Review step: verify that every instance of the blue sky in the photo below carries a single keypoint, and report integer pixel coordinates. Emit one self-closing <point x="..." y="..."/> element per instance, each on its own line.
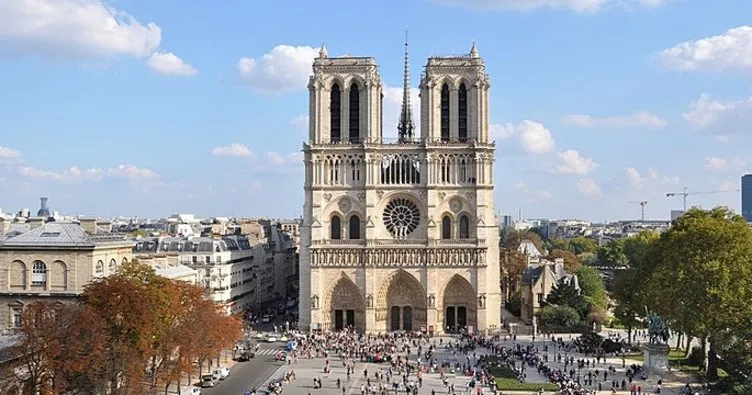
<point x="142" y="107"/>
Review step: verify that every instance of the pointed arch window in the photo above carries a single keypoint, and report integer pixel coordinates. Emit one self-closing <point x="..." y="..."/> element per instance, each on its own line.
<point x="354" y="113"/>
<point x="445" y="113"/>
<point x="39" y="273"/>
<point x="335" y="106"/>
<point x="354" y="231"/>
<point x="464" y="227"/>
<point x="462" y="113"/>
<point x="335" y="231"/>
<point x="446" y="228"/>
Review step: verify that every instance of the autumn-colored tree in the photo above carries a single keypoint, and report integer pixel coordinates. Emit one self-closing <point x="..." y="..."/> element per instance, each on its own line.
<point x="514" y="238"/>
<point x="571" y="262"/>
<point x="59" y="348"/>
<point x="174" y="355"/>
<point x="133" y="304"/>
<point x="580" y="245"/>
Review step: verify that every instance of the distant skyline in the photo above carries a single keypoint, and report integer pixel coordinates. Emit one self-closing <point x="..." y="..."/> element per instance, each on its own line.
<point x="136" y="107"/>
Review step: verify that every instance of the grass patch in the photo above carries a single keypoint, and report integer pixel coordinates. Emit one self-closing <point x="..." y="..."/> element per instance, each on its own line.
<point x="677" y="361"/>
<point x="507" y="384"/>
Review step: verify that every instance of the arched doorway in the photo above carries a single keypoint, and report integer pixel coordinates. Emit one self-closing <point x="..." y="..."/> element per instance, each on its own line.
<point x="459" y="305"/>
<point x="401" y="304"/>
<point x="345" y="305"/>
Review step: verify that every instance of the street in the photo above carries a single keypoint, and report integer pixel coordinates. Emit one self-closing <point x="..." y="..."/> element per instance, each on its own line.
<point x="249" y="375"/>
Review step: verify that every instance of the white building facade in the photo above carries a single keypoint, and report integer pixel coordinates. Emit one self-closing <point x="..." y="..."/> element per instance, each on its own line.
<point x="399" y="235"/>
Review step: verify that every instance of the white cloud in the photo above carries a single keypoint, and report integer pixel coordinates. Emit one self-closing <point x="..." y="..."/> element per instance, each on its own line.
<point x="73" y="29"/>
<point x="713" y="163"/>
<point x="545" y="195"/>
<point x="588" y="187"/>
<point x="168" y="64"/>
<point x="234" y="149"/>
<point x="637" y="180"/>
<point x="731" y="50"/>
<point x="9" y="153"/>
<point x="71" y="175"/>
<point x="728" y="186"/>
<point x="570" y="162"/>
<point x="716" y="164"/>
<point x="76" y="175"/>
<point x="284" y="68"/>
<point x="133" y="173"/>
<point x="300" y="122"/>
<point x="582" y="6"/>
<point x="638" y="119"/>
<point x="720" y="118"/>
<point x="521" y="186"/>
<point x="277" y="159"/>
<point x="533" y="137"/>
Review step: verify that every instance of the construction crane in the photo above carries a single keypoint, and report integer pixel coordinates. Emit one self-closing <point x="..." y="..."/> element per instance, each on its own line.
<point x="684" y="194"/>
<point x="642" y="208"/>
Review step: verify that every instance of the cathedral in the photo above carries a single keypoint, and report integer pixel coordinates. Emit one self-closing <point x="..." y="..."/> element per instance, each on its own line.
<point x="399" y="234"/>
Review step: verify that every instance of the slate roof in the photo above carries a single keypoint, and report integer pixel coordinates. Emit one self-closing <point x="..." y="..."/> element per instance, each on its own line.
<point x="531" y="274"/>
<point x="57" y="234"/>
<point x="192" y="244"/>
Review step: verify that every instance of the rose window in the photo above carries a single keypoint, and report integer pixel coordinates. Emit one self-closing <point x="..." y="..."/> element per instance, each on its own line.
<point x="401" y="217"/>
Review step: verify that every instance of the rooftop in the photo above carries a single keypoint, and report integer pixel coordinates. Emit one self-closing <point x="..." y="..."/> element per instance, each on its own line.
<point x="57" y="234"/>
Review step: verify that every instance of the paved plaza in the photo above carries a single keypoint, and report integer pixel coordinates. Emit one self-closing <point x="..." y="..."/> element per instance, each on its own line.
<point x="308" y="369"/>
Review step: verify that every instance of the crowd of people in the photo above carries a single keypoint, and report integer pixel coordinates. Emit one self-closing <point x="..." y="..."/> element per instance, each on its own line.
<point x="405" y="357"/>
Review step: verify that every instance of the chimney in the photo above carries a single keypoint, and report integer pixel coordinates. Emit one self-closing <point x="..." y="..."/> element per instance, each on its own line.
<point x="4" y="225"/>
<point x="89" y="225"/>
<point x="35" y="222"/>
<point x="43" y="203"/>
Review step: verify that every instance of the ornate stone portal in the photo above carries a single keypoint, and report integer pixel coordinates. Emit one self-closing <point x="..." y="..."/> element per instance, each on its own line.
<point x="399" y="234"/>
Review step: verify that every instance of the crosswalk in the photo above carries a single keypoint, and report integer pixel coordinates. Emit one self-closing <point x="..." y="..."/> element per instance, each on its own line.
<point x="269" y="351"/>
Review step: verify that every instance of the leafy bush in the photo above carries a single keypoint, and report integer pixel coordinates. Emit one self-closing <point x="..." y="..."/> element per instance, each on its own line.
<point x="557" y="316"/>
<point x="514" y="304"/>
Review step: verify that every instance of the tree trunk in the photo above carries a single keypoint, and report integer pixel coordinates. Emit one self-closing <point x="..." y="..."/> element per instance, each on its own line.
<point x="704" y="354"/>
<point x="688" y="351"/>
<point x="629" y="335"/>
<point x="679" y="341"/>
<point x="167" y="388"/>
<point x="712" y="364"/>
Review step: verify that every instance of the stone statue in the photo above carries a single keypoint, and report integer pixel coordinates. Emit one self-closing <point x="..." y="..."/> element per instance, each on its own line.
<point x="657" y="329"/>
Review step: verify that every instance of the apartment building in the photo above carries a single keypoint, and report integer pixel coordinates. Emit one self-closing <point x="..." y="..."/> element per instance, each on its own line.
<point x="224" y="266"/>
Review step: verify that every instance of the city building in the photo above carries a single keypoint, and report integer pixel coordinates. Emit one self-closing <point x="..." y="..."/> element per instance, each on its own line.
<point x="747" y="197"/>
<point x="538" y="280"/>
<point x="399" y="234"/>
<point x="224" y="266"/>
<point x="53" y="261"/>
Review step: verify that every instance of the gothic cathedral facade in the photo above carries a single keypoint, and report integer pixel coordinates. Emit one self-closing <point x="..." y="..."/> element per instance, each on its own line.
<point x="399" y="234"/>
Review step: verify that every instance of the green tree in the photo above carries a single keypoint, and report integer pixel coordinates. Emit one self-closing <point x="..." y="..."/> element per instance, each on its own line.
<point x="592" y="287"/>
<point x="628" y="286"/>
<point x="612" y="254"/>
<point x="701" y="276"/>
<point x="588" y="259"/>
<point x="571" y="262"/>
<point x="566" y="294"/>
<point x="636" y="247"/>
<point x="580" y="245"/>
<point x="514" y="239"/>
<point x="550" y="317"/>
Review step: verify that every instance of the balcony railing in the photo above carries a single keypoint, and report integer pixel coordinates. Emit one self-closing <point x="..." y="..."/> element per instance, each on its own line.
<point x="401" y="242"/>
<point x="339" y="242"/>
<point x="416" y="141"/>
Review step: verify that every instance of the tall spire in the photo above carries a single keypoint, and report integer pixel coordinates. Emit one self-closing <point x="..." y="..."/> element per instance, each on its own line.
<point x="406" y="125"/>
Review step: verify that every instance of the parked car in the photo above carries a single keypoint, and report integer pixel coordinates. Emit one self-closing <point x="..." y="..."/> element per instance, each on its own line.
<point x="191" y="391"/>
<point x="208" y="380"/>
<point x="222" y="372"/>
<point x="271" y="338"/>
